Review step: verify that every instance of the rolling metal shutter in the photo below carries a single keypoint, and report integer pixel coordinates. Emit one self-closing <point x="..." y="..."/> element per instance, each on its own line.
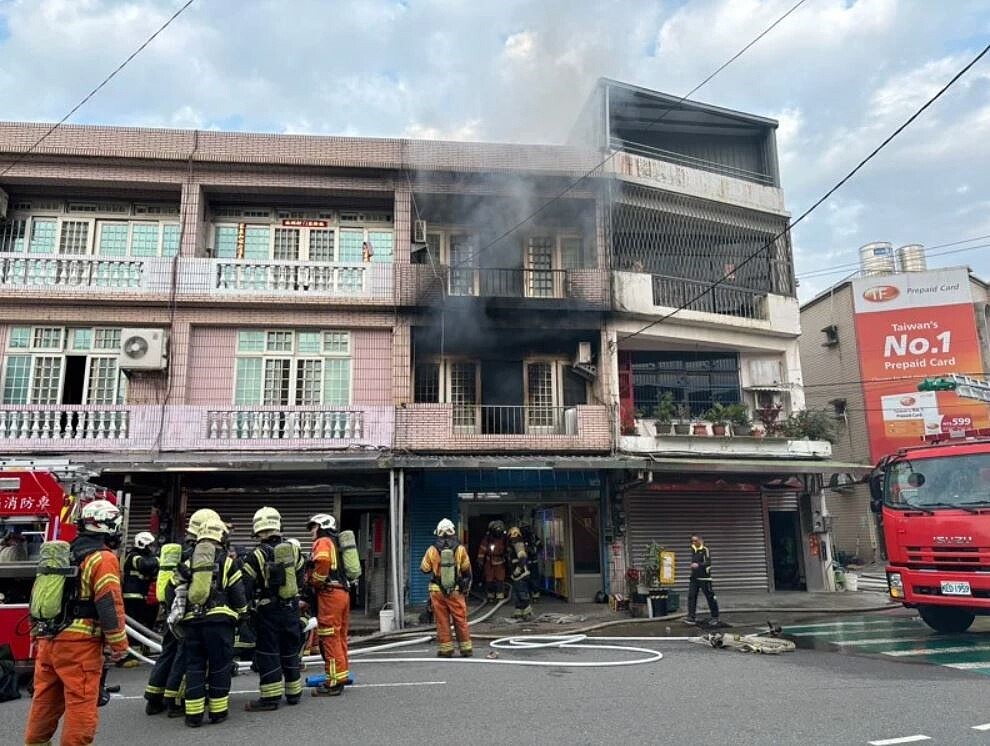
<point x="139" y="515"/>
<point x="239" y="508"/>
<point x="424" y="511"/>
<point x="731" y="524"/>
<point x="782" y="501"/>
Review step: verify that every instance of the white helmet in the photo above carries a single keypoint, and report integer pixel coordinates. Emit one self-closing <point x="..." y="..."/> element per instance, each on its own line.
<point x="144" y="540"/>
<point x="267" y="519"/>
<point x="445" y="528"/>
<point x="214" y="529"/>
<point x="100" y="517"/>
<point x="198" y="519"/>
<point x="322" y="521"/>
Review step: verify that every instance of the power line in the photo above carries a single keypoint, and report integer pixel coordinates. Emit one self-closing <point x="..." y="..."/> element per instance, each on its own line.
<point x="556" y="198"/>
<point x="929" y="252"/>
<point x="821" y="200"/>
<point x="96" y="90"/>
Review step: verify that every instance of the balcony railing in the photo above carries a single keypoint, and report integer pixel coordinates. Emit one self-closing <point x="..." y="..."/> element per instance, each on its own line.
<point x="64" y="423"/>
<point x="697" y="295"/>
<point x="467" y="428"/>
<point x="78" y="273"/>
<point x="508" y="420"/>
<point x="292" y="424"/>
<point x="301" y="278"/>
<point x="681" y="159"/>
<point x="507" y="283"/>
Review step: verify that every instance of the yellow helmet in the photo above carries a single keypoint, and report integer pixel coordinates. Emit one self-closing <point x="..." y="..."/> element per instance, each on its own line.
<point x="214" y="529"/>
<point x="198" y="519"/>
<point x="267" y="519"/>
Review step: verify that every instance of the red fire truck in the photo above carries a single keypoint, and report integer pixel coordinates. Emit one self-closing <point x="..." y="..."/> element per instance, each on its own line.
<point x="934" y="504"/>
<point x="39" y="502"/>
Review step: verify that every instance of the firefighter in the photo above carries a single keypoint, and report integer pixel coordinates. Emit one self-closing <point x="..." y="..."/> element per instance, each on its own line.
<point x="333" y="603"/>
<point x="533" y="546"/>
<point x="68" y="666"/>
<point x="209" y="625"/>
<point x="491" y="561"/>
<point x="449" y="567"/>
<point x="274" y="588"/>
<point x="140" y="568"/>
<point x="165" y="681"/>
<point x="13" y="548"/>
<point x="245" y="636"/>
<point x="701" y="579"/>
<point x="519" y="564"/>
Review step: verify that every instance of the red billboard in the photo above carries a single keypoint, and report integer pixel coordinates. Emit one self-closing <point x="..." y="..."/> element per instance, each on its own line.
<point x="909" y="327"/>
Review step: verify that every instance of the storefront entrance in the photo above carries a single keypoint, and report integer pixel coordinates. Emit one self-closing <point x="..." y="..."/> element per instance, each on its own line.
<point x="571" y="557"/>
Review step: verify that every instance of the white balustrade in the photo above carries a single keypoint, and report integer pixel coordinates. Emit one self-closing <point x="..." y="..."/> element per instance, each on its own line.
<point x="69" y="423"/>
<point x="284" y="424"/>
<point x="64" y="272"/>
<point x="241" y="275"/>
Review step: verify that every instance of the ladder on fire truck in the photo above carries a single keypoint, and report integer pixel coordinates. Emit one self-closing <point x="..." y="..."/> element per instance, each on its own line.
<point x="61" y="468"/>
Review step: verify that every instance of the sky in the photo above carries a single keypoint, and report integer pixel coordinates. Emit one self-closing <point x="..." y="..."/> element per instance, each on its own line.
<point x="838" y="75"/>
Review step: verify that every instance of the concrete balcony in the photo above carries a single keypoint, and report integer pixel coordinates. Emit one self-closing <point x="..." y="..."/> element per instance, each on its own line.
<point x="88" y="277"/>
<point x="650" y="438"/>
<point x="239" y="278"/>
<point x="67" y="428"/>
<point x="726" y="306"/>
<point x="202" y="279"/>
<point x="277" y="428"/>
<point x="486" y="429"/>
<point x="694" y="177"/>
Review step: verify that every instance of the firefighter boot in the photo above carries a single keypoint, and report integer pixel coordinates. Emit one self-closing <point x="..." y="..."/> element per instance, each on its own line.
<point x="176" y="709"/>
<point x="292" y="699"/>
<point x="194" y="721"/>
<point x="218" y="717"/>
<point x="156" y="705"/>
<point x="445" y="654"/>
<point x="261" y="705"/>
<point x="328" y="691"/>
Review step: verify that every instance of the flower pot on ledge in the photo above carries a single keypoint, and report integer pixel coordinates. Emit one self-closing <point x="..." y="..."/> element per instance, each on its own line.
<point x="719" y="429"/>
<point x="682" y="428"/>
<point x="699" y="428"/>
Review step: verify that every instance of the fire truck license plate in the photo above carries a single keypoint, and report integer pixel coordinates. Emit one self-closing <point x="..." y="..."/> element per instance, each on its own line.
<point x="956" y="588"/>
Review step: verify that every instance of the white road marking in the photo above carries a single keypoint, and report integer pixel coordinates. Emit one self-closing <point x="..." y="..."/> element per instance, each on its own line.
<point x="935" y="651"/>
<point x="882" y="641"/>
<point x="850" y="623"/>
<point x="985" y="726"/>
<point x="967" y="666"/>
<point x="854" y="630"/>
<point x="350" y="686"/>
<point x="905" y="739"/>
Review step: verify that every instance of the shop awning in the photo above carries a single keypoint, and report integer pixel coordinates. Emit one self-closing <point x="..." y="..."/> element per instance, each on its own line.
<point x="124" y="463"/>
<point x="757" y="466"/>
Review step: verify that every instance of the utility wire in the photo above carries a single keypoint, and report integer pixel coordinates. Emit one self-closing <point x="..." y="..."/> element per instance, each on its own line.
<point x="592" y="171"/>
<point x="929" y="252"/>
<point x="96" y="90"/>
<point x="818" y="203"/>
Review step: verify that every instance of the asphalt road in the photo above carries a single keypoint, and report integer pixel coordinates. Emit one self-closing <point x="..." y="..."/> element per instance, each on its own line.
<point x="693" y="695"/>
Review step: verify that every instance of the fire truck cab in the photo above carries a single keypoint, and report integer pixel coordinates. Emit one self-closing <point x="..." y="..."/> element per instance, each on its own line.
<point x="39" y="502"/>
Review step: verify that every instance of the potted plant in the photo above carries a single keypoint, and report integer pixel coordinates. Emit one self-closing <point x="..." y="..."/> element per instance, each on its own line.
<point x="809" y="425"/>
<point x="682" y="426"/>
<point x="664" y="413"/>
<point x="718" y="415"/>
<point x="768" y="417"/>
<point x="738" y="415"/>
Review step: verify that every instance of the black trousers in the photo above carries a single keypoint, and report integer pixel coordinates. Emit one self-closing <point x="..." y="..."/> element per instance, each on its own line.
<point x="276" y="654"/>
<point x="520" y="593"/>
<point x="161" y="671"/>
<point x="535" y="580"/>
<point x="705" y="585"/>
<point x="210" y="650"/>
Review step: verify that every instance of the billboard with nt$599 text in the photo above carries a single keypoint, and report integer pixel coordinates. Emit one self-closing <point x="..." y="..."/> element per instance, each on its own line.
<point x="909" y="327"/>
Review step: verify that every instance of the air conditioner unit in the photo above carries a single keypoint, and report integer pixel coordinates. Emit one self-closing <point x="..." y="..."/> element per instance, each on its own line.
<point x="583" y="354"/>
<point x="143" y="349"/>
<point x="419" y="231"/>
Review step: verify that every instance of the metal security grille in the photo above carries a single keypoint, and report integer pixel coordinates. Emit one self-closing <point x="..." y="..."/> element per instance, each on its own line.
<point x="47" y="380"/>
<point x="103" y="378"/>
<point x="321" y="246"/>
<point x="309" y="382"/>
<point x="540" y="260"/>
<point x="462" y="259"/>
<point x="539" y="382"/>
<point x="674" y="236"/>
<point x="286" y="244"/>
<point x="277" y="382"/>
<point x="464" y="393"/>
<point x="730" y="523"/>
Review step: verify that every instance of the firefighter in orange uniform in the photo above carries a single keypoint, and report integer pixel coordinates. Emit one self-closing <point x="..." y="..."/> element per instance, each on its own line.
<point x="69" y="665"/>
<point x="449" y="567"/>
<point x="333" y="603"/>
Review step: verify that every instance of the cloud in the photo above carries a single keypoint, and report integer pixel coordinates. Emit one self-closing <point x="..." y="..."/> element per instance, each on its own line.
<point x="839" y="75"/>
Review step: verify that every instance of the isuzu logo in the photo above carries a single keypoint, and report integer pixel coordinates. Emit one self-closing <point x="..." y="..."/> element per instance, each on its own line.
<point x="881" y="293"/>
<point x="952" y="539"/>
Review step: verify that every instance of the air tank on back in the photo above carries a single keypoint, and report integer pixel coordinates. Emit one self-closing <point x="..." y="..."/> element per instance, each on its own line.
<point x="877" y="258"/>
<point x="911" y="258"/>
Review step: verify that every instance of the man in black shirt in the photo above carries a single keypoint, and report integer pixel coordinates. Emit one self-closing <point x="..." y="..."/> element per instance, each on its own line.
<point x="701" y="579"/>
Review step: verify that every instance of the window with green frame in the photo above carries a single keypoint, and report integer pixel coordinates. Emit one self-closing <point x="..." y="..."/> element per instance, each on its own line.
<point x="279" y="367"/>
